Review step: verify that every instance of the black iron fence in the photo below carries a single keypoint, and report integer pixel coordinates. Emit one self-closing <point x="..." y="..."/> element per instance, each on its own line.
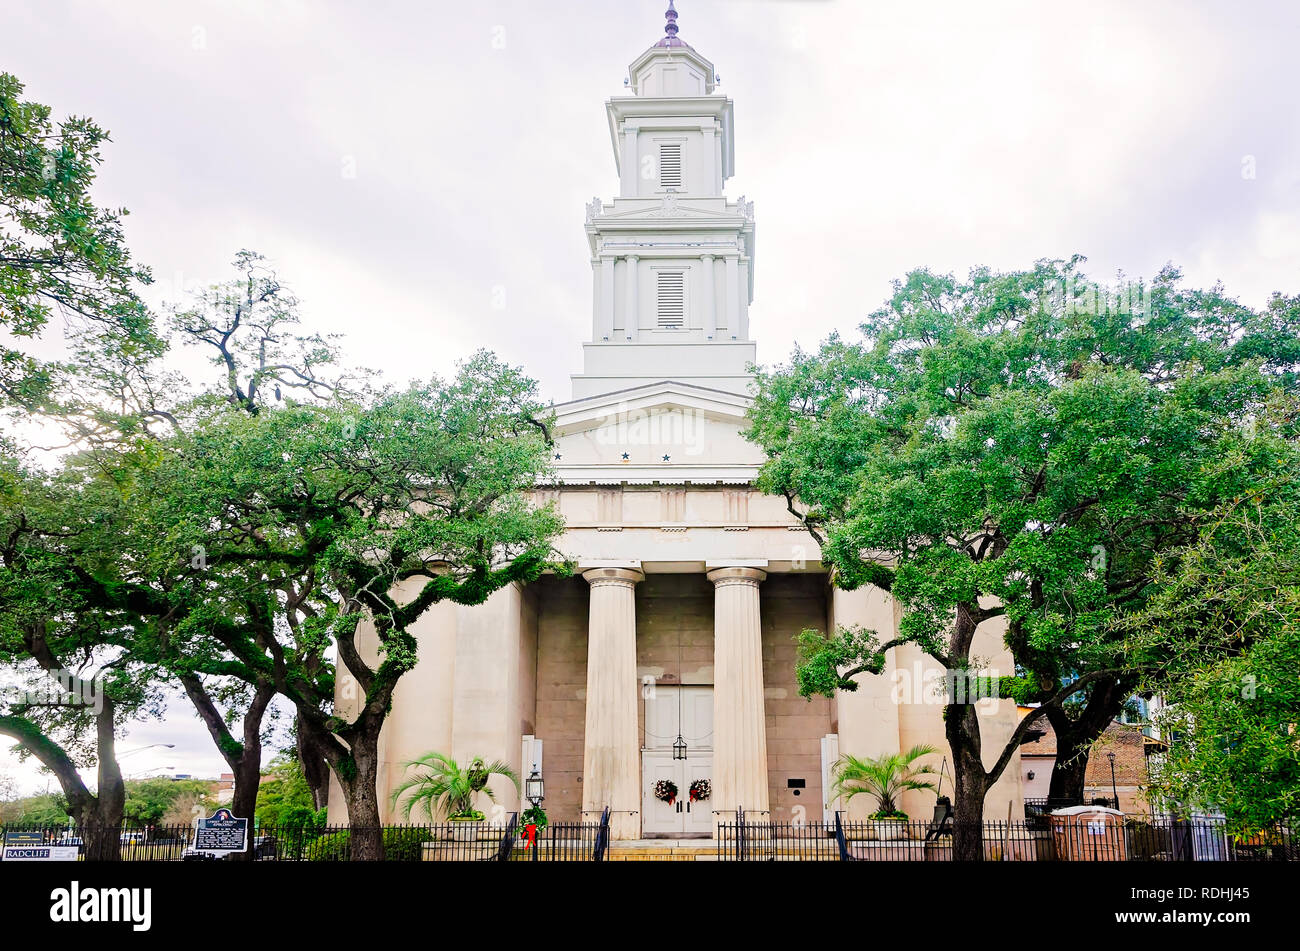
<point x="437" y="842"/>
<point x="752" y="837"/>
<point x="565" y="842"/>
<point x="1059" y="838"/>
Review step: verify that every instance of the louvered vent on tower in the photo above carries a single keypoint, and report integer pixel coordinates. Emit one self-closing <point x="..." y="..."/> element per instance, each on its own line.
<point x="672" y="300"/>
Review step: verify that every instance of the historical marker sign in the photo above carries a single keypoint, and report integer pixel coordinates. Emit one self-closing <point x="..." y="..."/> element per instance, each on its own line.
<point x="222" y="833"/>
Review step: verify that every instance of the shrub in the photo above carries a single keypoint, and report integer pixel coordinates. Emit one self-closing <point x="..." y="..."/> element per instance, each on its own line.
<point x="400" y="845"/>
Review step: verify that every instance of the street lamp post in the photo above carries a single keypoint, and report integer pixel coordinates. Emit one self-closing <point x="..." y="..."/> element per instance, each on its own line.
<point x="1114" y="791"/>
<point x="535" y="792"/>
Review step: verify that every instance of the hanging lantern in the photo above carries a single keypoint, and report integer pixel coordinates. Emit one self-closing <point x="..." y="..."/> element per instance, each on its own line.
<point x="534" y="788"/>
<point x="679" y="747"/>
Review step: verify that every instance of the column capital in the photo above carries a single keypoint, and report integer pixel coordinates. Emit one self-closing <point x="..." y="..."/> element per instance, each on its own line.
<point x="618" y="576"/>
<point x="737" y="575"/>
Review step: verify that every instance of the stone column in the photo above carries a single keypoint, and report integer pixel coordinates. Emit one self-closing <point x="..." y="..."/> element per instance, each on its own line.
<point x="733" y="297"/>
<point x="709" y="296"/>
<point x="713" y="148"/>
<point x="631" y="167"/>
<point x="607" y="297"/>
<point x="739" y="720"/>
<point x="632" y="319"/>
<point x="611" y="767"/>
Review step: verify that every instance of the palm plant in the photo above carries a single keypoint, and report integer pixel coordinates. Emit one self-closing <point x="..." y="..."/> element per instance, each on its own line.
<point x="884" y="778"/>
<point x="444" y="786"/>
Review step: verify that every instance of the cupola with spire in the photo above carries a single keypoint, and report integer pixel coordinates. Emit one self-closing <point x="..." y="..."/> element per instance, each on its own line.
<point x="672" y="67"/>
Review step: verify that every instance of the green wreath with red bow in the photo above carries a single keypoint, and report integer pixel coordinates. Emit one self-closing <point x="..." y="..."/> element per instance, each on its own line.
<point x="666" y="791"/>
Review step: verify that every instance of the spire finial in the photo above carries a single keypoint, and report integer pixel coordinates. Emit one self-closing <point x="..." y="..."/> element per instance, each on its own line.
<point x="670" y="27"/>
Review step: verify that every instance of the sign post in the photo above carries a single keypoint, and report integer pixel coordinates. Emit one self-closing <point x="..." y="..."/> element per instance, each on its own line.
<point x="221" y="834"/>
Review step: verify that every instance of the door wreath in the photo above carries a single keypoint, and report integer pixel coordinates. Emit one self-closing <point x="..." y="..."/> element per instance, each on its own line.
<point x="700" y="790"/>
<point x="666" y="791"/>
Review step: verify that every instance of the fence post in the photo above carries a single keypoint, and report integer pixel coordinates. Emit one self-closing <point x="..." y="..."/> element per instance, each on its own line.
<point x="602" y="837"/>
<point x="740" y="833"/>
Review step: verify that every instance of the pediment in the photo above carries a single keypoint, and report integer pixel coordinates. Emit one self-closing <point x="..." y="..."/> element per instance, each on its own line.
<point x="662" y="431"/>
<point x="663" y="394"/>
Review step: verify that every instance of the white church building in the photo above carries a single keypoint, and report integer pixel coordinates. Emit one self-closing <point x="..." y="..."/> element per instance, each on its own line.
<point x="678" y="626"/>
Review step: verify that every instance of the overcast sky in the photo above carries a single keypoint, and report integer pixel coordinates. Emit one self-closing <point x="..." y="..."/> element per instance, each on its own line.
<point x="407" y="166"/>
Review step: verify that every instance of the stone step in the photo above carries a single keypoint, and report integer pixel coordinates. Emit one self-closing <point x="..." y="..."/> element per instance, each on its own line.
<point x="663" y="850"/>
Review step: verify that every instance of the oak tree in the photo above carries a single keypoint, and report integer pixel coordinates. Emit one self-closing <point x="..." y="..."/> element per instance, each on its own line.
<point x="1021" y="446"/>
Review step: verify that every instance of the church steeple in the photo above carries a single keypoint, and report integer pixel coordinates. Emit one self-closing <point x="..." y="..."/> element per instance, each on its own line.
<point x="673" y="257"/>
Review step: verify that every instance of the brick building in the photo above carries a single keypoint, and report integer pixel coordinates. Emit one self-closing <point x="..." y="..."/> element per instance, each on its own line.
<point x="1125" y="741"/>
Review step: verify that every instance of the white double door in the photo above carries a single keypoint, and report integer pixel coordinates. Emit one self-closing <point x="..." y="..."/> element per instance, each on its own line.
<point x="669" y="711"/>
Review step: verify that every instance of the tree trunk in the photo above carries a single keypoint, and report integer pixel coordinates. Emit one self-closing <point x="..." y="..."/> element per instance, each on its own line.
<point x="102" y="816"/>
<point x="98" y="817"/>
<point x="968" y="799"/>
<point x="243" y="758"/>
<point x="248" y="767"/>
<point x="970" y="782"/>
<point x="961" y="725"/>
<point x="314" y="767"/>
<point x="360" y="784"/>
<point x="1074" y="737"/>
<point x="1069" y="770"/>
<point x="102" y="832"/>
<point x="243" y="803"/>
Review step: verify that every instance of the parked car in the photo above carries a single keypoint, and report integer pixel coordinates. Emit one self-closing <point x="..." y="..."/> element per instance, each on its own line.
<point x="195" y="855"/>
<point x="69" y="839"/>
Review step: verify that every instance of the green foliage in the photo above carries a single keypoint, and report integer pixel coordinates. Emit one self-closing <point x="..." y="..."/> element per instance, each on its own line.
<point x="59" y="614"/>
<point x="153" y="801"/>
<point x="45" y="809"/>
<point x="284" y="799"/>
<point x="242" y="552"/>
<point x="234" y="538"/>
<point x="826" y="664"/>
<point x="1221" y="635"/>
<point x="534" y="815"/>
<point x="441" y="786"/>
<point x="994" y="443"/>
<point x="884" y="778"/>
<point x="60" y="252"/>
<point x="1018" y="445"/>
<point x="400" y="845"/>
